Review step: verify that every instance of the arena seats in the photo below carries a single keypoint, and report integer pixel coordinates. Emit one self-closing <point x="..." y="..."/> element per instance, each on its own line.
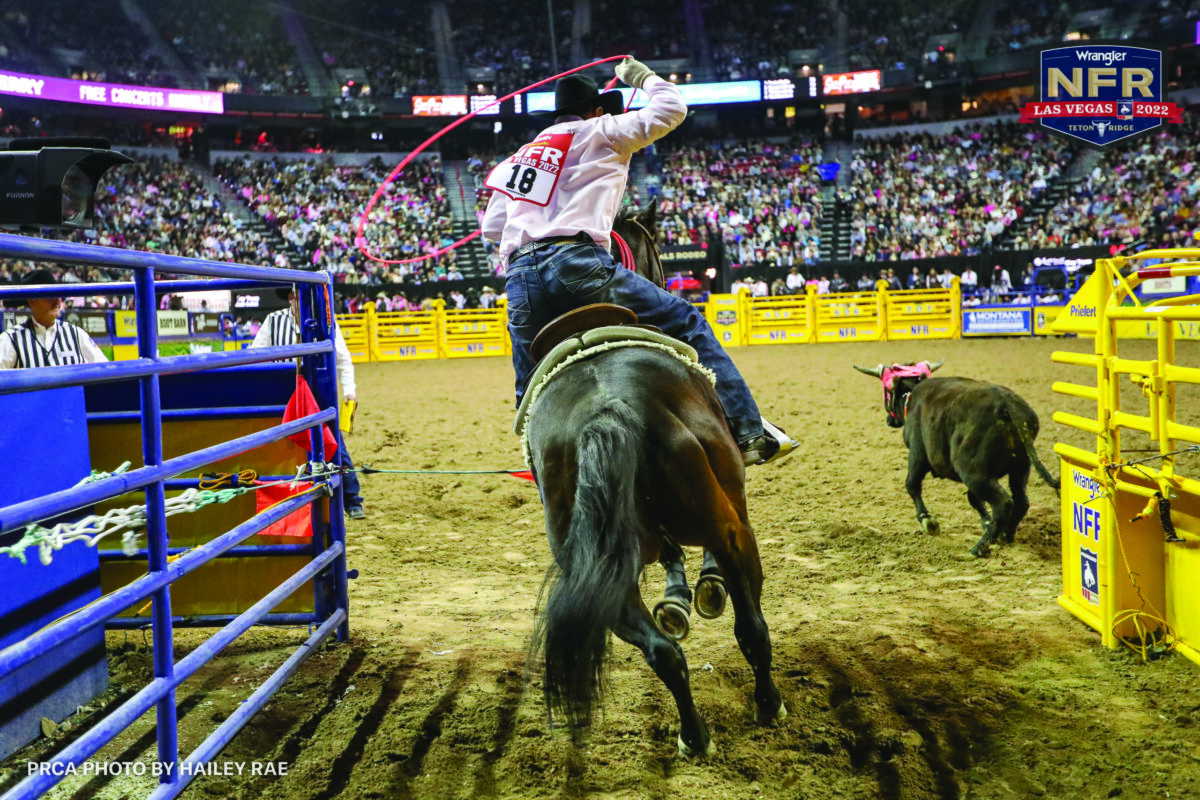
<point x="1148" y="189"/>
<point x="919" y="196"/>
<point x="315" y="206"/>
<point x="762" y="198"/>
<point x="228" y="41"/>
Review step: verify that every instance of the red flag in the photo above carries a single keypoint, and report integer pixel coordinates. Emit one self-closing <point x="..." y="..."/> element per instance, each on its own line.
<point x="527" y="475"/>
<point x="301" y="405"/>
<point x="297" y="524"/>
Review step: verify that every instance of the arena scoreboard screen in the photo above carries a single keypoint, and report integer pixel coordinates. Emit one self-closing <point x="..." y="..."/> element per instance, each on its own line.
<point x="870" y="80"/>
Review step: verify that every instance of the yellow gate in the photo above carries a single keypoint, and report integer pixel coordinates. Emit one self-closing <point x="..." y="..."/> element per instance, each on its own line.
<point x="924" y="314"/>
<point x="356" y="330"/>
<point x="1130" y="521"/>
<point x="779" y="320"/>
<point x="474" y="332"/>
<point x="849" y="317"/>
<point x="408" y="335"/>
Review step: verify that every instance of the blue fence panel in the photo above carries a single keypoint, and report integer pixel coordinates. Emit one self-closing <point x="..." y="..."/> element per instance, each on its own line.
<point x="326" y="566"/>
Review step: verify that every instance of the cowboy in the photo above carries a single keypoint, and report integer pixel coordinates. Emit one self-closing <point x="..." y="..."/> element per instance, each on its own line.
<point x="43" y="340"/>
<point x="552" y="212"/>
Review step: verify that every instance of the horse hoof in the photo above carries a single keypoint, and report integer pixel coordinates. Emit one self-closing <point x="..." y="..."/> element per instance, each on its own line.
<point x="930" y="525"/>
<point x="710" y="596"/>
<point x="779" y="715"/>
<point x="672" y="617"/>
<point x="980" y="550"/>
<point x="688" y="752"/>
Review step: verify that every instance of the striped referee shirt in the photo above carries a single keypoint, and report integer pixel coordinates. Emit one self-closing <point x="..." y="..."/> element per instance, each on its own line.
<point x="280" y="329"/>
<point x="31" y="345"/>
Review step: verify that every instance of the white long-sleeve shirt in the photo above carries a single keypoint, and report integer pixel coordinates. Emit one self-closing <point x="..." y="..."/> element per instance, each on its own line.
<point x="591" y="174"/>
<point x="61" y="343"/>
<point x="280" y="329"/>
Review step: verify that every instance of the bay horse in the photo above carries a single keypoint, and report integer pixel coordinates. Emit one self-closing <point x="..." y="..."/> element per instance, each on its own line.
<point x="635" y="460"/>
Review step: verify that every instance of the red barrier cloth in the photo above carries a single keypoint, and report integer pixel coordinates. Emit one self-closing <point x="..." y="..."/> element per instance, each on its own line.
<point x="298" y="524"/>
<point x="301" y="405"/>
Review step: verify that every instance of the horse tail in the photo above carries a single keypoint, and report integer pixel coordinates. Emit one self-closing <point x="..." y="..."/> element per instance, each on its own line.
<point x="1027" y="441"/>
<point x="597" y="566"/>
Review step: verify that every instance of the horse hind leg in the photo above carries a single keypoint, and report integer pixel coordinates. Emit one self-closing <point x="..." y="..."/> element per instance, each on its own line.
<point x="710" y="589"/>
<point x="664" y="655"/>
<point x="673" y="610"/>
<point x="742" y="568"/>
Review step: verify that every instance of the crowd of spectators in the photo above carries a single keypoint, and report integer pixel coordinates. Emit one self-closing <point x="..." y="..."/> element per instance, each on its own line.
<point x="232" y="40"/>
<point x="1145" y="190"/>
<point x="95" y="39"/>
<point x="922" y="196"/>
<point x="1029" y="23"/>
<point x="315" y="206"/>
<point x="761" y="199"/>
<point x="389" y="41"/>
<point x="644" y="29"/>
<point x="160" y="206"/>
<point x="755" y="42"/>
<point x="491" y="36"/>
<point x="893" y="34"/>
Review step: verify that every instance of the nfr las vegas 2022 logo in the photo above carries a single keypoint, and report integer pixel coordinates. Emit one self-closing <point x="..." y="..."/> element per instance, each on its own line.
<point x="1101" y="94"/>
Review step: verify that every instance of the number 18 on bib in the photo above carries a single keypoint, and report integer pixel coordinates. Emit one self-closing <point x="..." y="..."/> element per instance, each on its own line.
<point x="531" y="174"/>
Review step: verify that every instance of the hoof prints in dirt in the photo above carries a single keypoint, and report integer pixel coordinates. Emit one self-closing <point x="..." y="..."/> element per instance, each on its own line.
<point x="374" y="736"/>
<point x="903" y="722"/>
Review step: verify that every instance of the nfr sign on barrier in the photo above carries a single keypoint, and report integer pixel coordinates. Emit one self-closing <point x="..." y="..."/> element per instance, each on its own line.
<point x="356" y="330"/>
<point x="850" y="317"/>
<point x="779" y="320"/>
<point x="923" y="314"/>
<point x="475" y="332"/>
<point x="407" y="335"/>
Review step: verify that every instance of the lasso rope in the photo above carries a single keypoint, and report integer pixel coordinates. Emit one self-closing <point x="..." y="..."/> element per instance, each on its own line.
<point x="360" y="239"/>
<point x="589" y="353"/>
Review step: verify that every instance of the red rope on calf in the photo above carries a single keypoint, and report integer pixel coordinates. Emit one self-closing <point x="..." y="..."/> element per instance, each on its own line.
<point x="361" y="240"/>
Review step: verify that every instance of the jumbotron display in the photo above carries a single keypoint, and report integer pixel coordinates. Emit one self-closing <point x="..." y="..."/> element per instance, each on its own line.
<point x="110" y="94"/>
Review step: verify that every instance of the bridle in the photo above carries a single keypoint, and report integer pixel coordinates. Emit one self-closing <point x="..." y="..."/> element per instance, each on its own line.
<point x="656" y="272"/>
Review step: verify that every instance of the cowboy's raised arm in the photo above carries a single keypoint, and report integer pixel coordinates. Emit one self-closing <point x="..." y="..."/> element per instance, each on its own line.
<point x="664" y="110"/>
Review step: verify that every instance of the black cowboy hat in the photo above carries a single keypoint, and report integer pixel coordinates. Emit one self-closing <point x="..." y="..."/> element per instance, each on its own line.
<point x="578" y="93"/>
<point x="39" y="276"/>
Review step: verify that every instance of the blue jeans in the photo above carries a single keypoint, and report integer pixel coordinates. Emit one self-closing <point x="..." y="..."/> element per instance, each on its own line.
<point x="350" y="486"/>
<point x="558" y="278"/>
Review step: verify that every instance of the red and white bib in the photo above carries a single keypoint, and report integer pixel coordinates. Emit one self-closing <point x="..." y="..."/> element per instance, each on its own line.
<point x="531" y="174"/>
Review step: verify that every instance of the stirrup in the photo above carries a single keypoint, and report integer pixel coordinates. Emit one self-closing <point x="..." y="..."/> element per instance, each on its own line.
<point x="761" y="450"/>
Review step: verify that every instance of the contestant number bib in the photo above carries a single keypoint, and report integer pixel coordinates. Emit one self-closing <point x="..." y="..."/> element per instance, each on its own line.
<point x="531" y="174"/>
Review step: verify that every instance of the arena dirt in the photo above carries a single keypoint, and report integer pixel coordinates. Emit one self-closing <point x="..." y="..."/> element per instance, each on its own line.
<point x="910" y="669"/>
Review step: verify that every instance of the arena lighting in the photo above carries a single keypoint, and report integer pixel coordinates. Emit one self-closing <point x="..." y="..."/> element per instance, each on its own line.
<point x="52" y="181"/>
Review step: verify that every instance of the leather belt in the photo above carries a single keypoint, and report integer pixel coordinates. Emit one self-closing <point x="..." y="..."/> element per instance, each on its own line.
<point x="530" y="247"/>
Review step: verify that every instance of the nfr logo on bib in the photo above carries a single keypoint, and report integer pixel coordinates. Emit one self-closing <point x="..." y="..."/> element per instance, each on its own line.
<point x="1101" y="94"/>
<point x="531" y="174"/>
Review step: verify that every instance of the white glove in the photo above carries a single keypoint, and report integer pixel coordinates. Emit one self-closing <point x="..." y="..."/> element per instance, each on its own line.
<point x="633" y="73"/>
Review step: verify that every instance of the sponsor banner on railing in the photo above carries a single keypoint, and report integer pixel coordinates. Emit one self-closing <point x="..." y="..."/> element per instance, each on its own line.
<point x="997" y="322"/>
<point x="170" y="323"/>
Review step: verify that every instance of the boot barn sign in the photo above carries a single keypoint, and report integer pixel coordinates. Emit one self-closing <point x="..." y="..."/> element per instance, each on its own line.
<point x="1101" y="94"/>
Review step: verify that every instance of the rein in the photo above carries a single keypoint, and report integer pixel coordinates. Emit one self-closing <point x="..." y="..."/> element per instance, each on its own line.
<point x="656" y="271"/>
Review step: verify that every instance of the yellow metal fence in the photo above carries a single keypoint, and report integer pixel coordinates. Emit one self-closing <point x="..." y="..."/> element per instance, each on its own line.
<point x="1131" y="520"/>
<point x="738" y="320"/>
<point x="419" y="335"/>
